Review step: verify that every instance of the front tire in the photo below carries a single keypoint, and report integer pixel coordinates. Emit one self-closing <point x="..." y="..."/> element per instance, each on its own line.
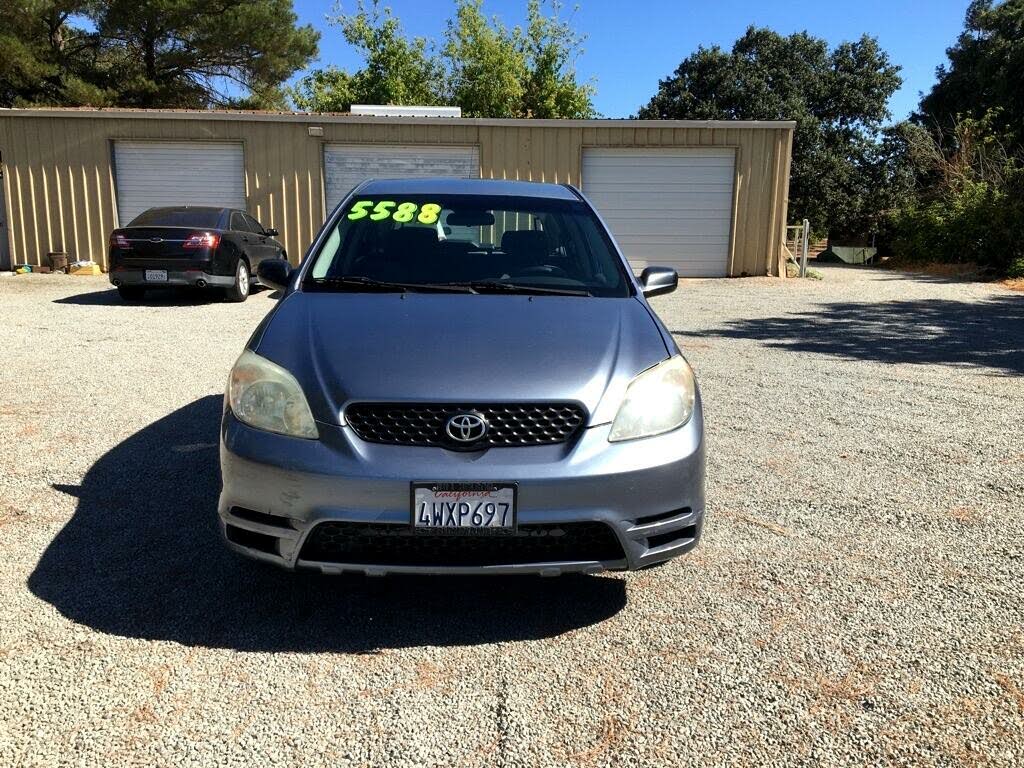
<point x="239" y="291"/>
<point x="131" y="293"/>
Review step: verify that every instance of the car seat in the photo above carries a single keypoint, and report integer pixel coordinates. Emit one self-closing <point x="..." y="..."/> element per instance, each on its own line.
<point x="409" y="255"/>
<point x="525" y="248"/>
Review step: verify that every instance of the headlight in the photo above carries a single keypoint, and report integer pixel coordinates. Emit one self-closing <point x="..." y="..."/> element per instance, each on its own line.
<point x="264" y="395"/>
<point x="658" y="400"/>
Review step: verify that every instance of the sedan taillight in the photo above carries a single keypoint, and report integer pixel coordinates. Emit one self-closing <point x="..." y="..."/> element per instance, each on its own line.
<point x="201" y="240"/>
<point x="118" y="240"/>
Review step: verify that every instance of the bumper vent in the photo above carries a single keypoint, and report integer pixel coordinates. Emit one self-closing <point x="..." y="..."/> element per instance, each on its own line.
<point x="261" y="517"/>
<point x="251" y="539"/>
<point x="661" y="516"/>
<point x="513" y="424"/>
<point x="683" y="534"/>
<point x="397" y="545"/>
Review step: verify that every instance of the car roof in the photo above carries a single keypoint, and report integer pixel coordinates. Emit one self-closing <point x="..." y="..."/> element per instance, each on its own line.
<point x="449" y="186"/>
<point x="189" y="208"/>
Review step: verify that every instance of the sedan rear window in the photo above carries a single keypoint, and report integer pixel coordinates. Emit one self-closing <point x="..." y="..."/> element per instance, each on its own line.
<point x="200" y="218"/>
<point x="470" y="240"/>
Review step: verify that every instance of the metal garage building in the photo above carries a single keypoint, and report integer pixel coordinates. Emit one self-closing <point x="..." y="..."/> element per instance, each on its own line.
<point x="707" y="197"/>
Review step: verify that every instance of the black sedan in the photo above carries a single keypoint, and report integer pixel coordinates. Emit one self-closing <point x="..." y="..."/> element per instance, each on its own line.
<point x="190" y="246"/>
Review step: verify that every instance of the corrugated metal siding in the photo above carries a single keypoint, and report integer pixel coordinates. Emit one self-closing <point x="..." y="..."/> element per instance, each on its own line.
<point x="60" y="194"/>
<point x="346" y="165"/>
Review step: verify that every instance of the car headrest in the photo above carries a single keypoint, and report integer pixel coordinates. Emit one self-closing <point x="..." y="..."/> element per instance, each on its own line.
<point x="525" y="242"/>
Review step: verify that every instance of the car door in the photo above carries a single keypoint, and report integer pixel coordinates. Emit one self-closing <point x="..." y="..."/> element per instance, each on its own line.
<point x="269" y="247"/>
<point x="244" y="237"/>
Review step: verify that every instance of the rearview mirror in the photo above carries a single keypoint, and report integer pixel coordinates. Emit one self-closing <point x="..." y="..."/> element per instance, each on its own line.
<point x="655" y="281"/>
<point x="470" y="219"/>
<point x="275" y="273"/>
<point x="271" y="232"/>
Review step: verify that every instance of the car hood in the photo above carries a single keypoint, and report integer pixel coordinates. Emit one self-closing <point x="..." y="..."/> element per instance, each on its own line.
<point x="346" y="347"/>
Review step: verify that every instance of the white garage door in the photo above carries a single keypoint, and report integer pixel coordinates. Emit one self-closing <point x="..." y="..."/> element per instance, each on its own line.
<point x="345" y="165"/>
<point x="670" y="207"/>
<point x="155" y="173"/>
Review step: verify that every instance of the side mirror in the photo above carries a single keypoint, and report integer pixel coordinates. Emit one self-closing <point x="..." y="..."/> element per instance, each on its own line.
<point x="271" y="232"/>
<point x="655" y="281"/>
<point x="275" y="273"/>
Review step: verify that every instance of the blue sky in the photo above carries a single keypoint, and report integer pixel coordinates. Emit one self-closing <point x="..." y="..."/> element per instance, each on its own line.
<point x="631" y="45"/>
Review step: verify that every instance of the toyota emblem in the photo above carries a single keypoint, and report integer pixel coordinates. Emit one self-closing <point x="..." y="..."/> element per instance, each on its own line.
<point x="466" y="427"/>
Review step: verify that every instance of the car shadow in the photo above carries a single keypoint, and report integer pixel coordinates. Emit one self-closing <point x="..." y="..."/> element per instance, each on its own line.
<point x="983" y="334"/>
<point x="161" y="297"/>
<point x="142" y="557"/>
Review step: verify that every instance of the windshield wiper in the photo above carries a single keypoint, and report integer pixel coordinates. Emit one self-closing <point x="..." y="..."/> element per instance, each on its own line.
<point x="368" y="283"/>
<point x="494" y="286"/>
<point x="357" y="282"/>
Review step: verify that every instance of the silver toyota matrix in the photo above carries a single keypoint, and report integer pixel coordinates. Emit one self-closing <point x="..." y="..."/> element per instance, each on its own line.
<point x="463" y="376"/>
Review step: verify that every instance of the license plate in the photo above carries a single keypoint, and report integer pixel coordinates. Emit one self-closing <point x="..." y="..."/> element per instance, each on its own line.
<point x="456" y="507"/>
<point x="156" y="275"/>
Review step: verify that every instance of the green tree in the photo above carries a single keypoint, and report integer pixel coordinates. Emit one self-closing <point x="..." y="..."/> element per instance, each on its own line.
<point x="985" y="72"/>
<point x="44" y="59"/>
<point x="193" y="53"/>
<point x="551" y="48"/>
<point x="397" y="69"/>
<point x="324" y="90"/>
<point x="482" y="66"/>
<point x="150" y="53"/>
<point x="486" y="65"/>
<point x="967" y="150"/>
<point x="837" y="97"/>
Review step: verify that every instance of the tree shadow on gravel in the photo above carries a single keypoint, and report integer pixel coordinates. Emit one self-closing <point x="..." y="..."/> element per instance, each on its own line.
<point x="969" y="334"/>
<point x="142" y="557"/>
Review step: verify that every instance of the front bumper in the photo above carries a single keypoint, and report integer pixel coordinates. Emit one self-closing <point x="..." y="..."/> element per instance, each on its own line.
<point x="276" y="490"/>
<point x="194" y="277"/>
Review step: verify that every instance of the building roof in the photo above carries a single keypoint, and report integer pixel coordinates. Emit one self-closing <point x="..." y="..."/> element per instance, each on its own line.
<point x="450" y="186"/>
<point x="344" y="117"/>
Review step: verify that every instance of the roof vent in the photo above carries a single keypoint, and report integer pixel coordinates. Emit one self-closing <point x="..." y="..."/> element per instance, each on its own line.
<point x="386" y="110"/>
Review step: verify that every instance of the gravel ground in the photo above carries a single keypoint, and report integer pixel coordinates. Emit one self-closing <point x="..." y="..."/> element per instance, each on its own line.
<point x="856" y="598"/>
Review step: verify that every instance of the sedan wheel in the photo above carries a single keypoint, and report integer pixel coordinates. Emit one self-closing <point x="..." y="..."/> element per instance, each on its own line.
<point x="240" y="290"/>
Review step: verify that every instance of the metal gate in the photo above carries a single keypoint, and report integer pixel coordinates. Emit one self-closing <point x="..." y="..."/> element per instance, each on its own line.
<point x="798" y="234"/>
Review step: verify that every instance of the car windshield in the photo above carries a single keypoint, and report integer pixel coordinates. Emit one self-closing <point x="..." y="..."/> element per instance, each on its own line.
<point x="474" y="242"/>
<point x="205" y="218"/>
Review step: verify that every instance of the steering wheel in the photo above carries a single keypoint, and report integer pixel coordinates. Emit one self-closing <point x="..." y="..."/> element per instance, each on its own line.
<point x="548" y="270"/>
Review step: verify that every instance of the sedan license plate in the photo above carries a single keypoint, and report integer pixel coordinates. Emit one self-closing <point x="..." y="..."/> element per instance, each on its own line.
<point x="464" y="507"/>
<point x="156" y="275"/>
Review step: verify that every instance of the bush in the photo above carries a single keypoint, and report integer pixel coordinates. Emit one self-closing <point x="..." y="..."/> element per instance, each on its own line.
<point x="970" y="201"/>
<point x="976" y="222"/>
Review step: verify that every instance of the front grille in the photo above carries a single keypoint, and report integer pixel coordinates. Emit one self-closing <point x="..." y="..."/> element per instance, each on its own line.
<point x="396" y="545"/>
<point x="511" y="424"/>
